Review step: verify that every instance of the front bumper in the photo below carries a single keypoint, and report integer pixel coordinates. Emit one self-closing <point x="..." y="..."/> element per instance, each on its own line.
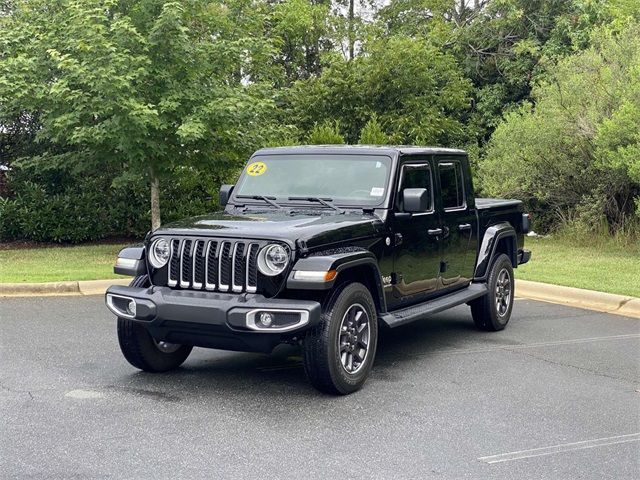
<point x="213" y="320"/>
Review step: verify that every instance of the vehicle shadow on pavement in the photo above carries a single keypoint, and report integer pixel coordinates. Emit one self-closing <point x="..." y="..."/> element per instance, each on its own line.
<point x="281" y="372"/>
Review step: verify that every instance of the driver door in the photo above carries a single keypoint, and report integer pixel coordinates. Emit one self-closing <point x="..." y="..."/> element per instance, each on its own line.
<point x="417" y="243"/>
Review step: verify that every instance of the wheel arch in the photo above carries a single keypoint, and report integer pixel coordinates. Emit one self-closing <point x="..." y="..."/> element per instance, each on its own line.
<point x="499" y="238"/>
<point x="357" y="265"/>
<point x="368" y="274"/>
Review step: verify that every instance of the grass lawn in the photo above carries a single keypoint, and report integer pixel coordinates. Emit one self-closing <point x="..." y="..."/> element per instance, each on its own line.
<point x="52" y="264"/>
<point x="606" y="266"/>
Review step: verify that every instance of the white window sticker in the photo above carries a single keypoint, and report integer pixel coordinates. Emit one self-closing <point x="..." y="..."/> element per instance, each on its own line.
<point x="378" y="164"/>
<point x="377" y="192"/>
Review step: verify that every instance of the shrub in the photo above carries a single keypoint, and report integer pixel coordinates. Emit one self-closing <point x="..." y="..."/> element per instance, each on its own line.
<point x="372" y="133"/>
<point x="573" y="155"/>
<point x="327" y="133"/>
<point x="60" y="206"/>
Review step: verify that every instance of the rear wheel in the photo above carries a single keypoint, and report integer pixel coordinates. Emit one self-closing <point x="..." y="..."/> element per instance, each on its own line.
<point x="144" y="352"/>
<point x="493" y="311"/>
<point x="339" y="352"/>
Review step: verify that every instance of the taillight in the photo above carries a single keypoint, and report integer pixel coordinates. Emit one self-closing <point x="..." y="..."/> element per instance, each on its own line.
<point x="526" y="222"/>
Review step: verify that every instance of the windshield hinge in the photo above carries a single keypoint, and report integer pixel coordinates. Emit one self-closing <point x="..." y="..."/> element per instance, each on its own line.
<point x="302" y="247"/>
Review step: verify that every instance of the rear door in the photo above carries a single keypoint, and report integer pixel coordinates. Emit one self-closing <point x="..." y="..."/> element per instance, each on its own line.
<point x="416" y="252"/>
<point x="459" y="221"/>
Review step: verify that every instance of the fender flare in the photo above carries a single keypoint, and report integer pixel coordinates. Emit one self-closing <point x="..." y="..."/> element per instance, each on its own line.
<point x="487" y="251"/>
<point x="131" y="261"/>
<point x="341" y="262"/>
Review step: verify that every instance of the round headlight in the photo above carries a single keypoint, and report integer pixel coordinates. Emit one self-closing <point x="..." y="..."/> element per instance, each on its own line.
<point x="159" y="253"/>
<point x="272" y="260"/>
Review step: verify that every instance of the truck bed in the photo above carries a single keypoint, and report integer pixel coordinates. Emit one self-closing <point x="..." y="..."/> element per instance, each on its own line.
<point x="484" y="203"/>
<point x="494" y="210"/>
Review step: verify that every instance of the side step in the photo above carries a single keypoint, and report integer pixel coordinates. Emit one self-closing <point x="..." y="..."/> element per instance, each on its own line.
<point x="421" y="310"/>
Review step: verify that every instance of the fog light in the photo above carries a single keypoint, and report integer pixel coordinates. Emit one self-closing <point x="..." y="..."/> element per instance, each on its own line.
<point x="131" y="307"/>
<point x="266" y="319"/>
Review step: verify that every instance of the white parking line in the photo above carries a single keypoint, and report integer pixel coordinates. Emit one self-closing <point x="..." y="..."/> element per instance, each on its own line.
<point x="84" y="394"/>
<point x="563" y="447"/>
<point x="521" y="346"/>
<point x="514" y="347"/>
<point x="575" y="340"/>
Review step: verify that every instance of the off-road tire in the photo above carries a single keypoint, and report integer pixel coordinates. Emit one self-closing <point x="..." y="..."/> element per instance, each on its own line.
<point x="139" y="347"/>
<point x="321" y="348"/>
<point x="485" y="311"/>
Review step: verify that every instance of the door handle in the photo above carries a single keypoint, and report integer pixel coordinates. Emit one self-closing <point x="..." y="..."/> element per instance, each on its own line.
<point x="464" y="226"/>
<point x="434" y="231"/>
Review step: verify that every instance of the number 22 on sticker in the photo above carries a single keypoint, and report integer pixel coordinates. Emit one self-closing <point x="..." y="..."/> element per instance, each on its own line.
<point x="256" y="168"/>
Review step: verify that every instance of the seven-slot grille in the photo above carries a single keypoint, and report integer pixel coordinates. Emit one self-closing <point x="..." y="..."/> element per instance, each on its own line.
<point x="217" y="265"/>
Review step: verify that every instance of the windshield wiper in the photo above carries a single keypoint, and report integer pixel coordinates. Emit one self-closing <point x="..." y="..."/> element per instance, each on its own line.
<point x="265" y="199"/>
<point x="322" y="201"/>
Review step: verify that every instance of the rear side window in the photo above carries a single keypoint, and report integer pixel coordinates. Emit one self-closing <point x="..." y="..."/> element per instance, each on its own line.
<point x="416" y="176"/>
<point x="451" y="184"/>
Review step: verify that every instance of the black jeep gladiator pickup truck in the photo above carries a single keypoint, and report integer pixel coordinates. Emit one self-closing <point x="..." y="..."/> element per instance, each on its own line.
<point x="322" y="246"/>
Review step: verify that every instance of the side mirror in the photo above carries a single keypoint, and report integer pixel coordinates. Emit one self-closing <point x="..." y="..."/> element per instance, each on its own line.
<point x="416" y="200"/>
<point x="225" y="194"/>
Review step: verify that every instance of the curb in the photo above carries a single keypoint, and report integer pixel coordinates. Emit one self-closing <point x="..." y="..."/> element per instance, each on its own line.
<point x="85" y="287"/>
<point x="573" y="297"/>
<point x="579" y="298"/>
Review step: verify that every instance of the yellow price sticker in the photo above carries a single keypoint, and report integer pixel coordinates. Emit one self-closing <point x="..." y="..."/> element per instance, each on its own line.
<point x="256" y="169"/>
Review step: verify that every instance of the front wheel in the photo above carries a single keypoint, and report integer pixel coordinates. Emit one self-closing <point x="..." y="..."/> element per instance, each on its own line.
<point x="339" y="352"/>
<point x="144" y="352"/>
<point x="492" y="311"/>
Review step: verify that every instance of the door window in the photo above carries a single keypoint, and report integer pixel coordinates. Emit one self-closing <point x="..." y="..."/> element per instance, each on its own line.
<point x="451" y="185"/>
<point x="417" y="176"/>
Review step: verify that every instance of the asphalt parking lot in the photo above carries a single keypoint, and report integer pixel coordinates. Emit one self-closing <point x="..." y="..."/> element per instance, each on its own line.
<point x="555" y="396"/>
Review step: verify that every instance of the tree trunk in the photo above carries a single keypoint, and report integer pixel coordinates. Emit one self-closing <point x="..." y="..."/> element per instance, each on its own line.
<point x="155" y="199"/>
<point x="351" y="26"/>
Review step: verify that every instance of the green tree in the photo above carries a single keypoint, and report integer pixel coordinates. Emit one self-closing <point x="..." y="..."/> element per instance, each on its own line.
<point x="508" y="45"/>
<point x="577" y="151"/>
<point x="149" y="85"/>
<point x="416" y="90"/>
<point x="326" y="133"/>
<point x="372" y="133"/>
<point x="503" y="46"/>
<point x="429" y="19"/>
<point x="300" y="29"/>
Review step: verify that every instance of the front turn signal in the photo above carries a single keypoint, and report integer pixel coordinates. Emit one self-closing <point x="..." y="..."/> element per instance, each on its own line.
<point x="315" y="276"/>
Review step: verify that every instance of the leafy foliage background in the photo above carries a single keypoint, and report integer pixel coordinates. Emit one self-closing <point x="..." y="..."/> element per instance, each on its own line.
<point x="99" y="98"/>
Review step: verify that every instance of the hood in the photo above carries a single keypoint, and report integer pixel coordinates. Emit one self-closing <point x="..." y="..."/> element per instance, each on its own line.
<point x="314" y="229"/>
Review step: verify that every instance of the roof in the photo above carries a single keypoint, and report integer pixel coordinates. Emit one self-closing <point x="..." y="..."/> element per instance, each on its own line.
<point x="362" y="149"/>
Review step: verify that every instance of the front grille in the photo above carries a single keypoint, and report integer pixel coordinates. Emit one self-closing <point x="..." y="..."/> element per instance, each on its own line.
<point x="215" y="265"/>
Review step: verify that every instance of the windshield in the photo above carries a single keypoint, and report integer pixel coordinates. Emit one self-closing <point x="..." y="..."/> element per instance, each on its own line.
<point x="344" y="179"/>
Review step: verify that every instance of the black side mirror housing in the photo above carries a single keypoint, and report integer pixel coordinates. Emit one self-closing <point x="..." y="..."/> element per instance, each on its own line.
<point x="225" y="194"/>
<point x="415" y="200"/>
